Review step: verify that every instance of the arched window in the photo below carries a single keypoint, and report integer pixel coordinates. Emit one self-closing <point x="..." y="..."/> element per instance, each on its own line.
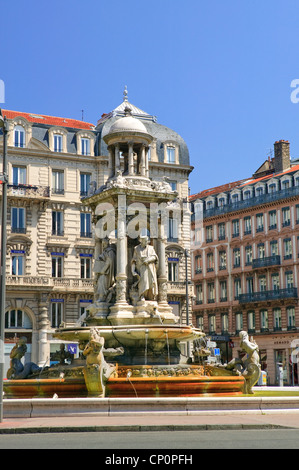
<point x="17" y="318"/>
<point x="19" y="136"/>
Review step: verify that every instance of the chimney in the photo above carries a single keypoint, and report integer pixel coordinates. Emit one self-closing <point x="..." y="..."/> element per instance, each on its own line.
<point x="281" y="155"/>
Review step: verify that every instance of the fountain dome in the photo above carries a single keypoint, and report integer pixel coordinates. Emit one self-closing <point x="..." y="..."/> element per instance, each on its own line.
<point x="128" y="124"/>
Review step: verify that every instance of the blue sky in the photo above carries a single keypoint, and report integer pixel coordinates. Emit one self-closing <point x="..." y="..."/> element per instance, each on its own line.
<point x="218" y="72"/>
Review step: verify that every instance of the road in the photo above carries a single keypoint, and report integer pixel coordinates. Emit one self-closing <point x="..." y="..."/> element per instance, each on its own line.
<point x="174" y="440"/>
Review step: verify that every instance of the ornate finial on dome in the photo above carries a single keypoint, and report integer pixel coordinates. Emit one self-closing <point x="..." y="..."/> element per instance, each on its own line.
<point x="125" y="93"/>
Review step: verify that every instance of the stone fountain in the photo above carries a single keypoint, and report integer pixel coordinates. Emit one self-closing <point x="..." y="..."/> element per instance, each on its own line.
<point x="130" y="338"/>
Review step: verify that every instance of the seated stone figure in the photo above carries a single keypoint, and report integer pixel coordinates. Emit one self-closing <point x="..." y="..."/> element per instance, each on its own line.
<point x="17" y="370"/>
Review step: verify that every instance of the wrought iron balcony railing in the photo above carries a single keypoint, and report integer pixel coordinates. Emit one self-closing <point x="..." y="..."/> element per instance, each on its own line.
<point x="275" y="294"/>
<point x="267" y="261"/>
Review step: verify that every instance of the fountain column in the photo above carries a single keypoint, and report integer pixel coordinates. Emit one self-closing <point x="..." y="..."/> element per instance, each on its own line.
<point x="164" y="308"/>
<point x="121" y="308"/>
<point x="131" y="159"/>
<point x="111" y="170"/>
<point x="142" y="163"/>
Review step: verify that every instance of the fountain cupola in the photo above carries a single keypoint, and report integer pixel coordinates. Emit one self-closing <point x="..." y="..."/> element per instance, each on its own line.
<point x="128" y="144"/>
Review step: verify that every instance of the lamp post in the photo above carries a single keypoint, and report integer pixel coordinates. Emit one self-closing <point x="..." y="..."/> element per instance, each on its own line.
<point x="3" y="178"/>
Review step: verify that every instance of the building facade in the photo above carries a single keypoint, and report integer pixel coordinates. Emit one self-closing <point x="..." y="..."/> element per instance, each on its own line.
<point x="52" y="164"/>
<point x="245" y="263"/>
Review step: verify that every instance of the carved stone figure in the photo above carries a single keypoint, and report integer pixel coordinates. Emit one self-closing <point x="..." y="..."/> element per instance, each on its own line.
<point x="105" y="267"/>
<point x="144" y="267"/>
<point x="249" y="366"/>
<point x="17" y="370"/>
<point x="97" y="371"/>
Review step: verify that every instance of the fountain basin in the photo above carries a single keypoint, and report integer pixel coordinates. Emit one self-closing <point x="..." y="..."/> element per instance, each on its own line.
<point x="134" y="381"/>
<point x="129" y="336"/>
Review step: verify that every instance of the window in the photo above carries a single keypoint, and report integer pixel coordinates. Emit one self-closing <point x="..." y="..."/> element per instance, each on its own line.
<point x="19" y="136"/>
<point x="212" y="324"/>
<point x="259" y="222"/>
<point x="18" y="224"/>
<point x="56" y="313"/>
<point x="275" y="281"/>
<point x="57" y="223"/>
<point x="286" y="217"/>
<point x="236" y="229"/>
<point x="223" y="291"/>
<point x="85" y="263"/>
<point x="57" y="141"/>
<point x="261" y="251"/>
<point x="277" y="319"/>
<point x="19" y="175"/>
<point x="172" y="229"/>
<point x="248" y="255"/>
<point x="199" y="322"/>
<point x="211" y="292"/>
<point x="236" y="257"/>
<point x="197" y="262"/>
<point x="173" y="269"/>
<point x="57" y="265"/>
<point x="85" y="225"/>
<point x="170" y="151"/>
<point x="289" y="280"/>
<point x="249" y="285"/>
<point x="173" y="185"/>
<point x="272" y="188"/>
<point x="85" y="146"/>
<point x="198" y="293"/>
<point x="222" y="260"/>
<point x="17" y="262"/>
<point x="291" y="317"/>
<point x="58" y="181"/>
<point x="262" y="284"/>
<point x="272" y="220"/>
<point x="285" y="184"/>
<point x="297" y="213"/>
<point x="237" y="287"/>
<point x="274" y="248"/>
<point x="221" y="202"/>
<point x="264" y="320"/>
<point x="224" y="323"/>
<point x="210" y="262"/>
<point x="235" y="198"/>
<point x="287" y="245"/>
<point x="239" y="322"/>
<point x="16" y="318"/>
<point x="259" y="191"/>
<point x="246" y="195"/>
<point x="209" y="234"/>
<point x="247" y="225"/>
<point x="221" y="231"/>
<point x="85" y="179"/>
<point x="251" y="322"/>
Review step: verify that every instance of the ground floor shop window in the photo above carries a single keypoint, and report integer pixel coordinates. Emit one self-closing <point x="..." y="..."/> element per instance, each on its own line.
<point x="17" y="324"/>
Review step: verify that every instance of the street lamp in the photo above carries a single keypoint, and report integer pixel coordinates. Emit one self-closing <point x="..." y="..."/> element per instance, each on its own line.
<point x="3" y="179"/>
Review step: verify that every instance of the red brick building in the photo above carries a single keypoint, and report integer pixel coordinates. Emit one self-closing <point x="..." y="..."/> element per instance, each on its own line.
<point x="245" y="262"/>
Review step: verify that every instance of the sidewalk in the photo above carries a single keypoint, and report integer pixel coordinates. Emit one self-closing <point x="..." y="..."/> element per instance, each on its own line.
<point x="246" y="420"/>
<point x="171" y="414"/>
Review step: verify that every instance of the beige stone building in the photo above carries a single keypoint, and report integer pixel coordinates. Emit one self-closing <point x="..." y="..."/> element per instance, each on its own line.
<point x="245" y="263"/>
<point x="52" y="163"/>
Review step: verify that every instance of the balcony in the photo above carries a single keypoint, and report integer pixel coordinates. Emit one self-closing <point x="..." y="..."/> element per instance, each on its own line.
<point x="267" y="261"/>
<point x="27" y="190"/>
<point x="289" y="293"/>
<point x="50" y="283"/>
<point x="251" y="202"/>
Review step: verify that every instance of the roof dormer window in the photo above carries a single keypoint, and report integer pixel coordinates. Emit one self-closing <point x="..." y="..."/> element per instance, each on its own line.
<point x="85" y="146"/>
<point x="57" y="143"/>
<point x="19" y="136"/>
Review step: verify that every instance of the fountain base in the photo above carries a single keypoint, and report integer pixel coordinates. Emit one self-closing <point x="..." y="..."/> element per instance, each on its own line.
<point x="181" y="380"/>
